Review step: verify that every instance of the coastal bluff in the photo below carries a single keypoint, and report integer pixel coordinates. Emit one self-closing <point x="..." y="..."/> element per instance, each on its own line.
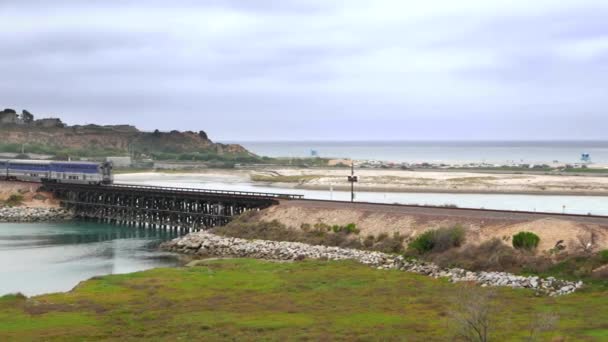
<point x="53" y="136"/>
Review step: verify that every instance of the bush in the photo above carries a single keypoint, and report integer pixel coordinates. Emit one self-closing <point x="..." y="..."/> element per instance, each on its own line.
<point x="350" y="228"/>
<point x="14" y="200"/>
<point x="248" y="226"/>
<point x="491" y="255"/>
<point x="446" y="238"/>
<point x="423" y="243"/>
<point x="525" y="240"/>
<point x="604" y="255"/>
<point x="438" y="240"/>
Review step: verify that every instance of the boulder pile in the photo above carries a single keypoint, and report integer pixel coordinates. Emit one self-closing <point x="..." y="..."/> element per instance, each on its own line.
<point x="206" y="244"/>
<point x="25" y="214"/>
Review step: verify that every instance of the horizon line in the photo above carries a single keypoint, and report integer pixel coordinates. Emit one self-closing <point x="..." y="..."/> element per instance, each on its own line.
<point x="413" y="140"/>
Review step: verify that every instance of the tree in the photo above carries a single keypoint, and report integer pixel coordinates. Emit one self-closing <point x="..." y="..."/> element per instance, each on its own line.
<point x="542" y="322"/>
<point x="27" y="117"/>
<point x="474" y="309"/>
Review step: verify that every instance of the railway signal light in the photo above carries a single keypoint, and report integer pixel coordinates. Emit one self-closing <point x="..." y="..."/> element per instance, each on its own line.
<point x="352" y="179"/>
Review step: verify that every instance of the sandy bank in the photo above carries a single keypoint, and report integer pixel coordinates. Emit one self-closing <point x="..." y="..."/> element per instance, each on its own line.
<point x="480" y="227"/>
<point x="378" y="180"/>
<point x="435" y="182"/>
<point x="32" y="196"/>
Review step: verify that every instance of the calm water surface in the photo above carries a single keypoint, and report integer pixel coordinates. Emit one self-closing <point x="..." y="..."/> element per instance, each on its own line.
<point x="438" y="151"/>
<point x="43" y="257"/>
<point x="597" y="205"/>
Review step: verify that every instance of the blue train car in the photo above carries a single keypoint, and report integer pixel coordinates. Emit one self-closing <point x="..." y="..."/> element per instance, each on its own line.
<point x="56" y="171"/>
<point x="28" y="170"/>
<point x="81" y="172"/>
<point x="3" y="169"/>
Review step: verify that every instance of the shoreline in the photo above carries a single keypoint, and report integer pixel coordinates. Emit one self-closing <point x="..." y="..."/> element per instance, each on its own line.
<point x="397" y="181"/>
<point x="440" y="191"/>
<point x="34" y="215"/>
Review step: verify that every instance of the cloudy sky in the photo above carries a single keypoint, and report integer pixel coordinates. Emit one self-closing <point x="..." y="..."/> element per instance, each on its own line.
<point x="316" y="69"/>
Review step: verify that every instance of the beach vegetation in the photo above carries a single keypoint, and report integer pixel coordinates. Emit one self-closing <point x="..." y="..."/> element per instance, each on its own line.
<point x="438" y="240"/>
<point x="14" y="200"/>
<point x="603" y="255"/>
<point x="248" y="226"/>
<point x="525" y="240"/>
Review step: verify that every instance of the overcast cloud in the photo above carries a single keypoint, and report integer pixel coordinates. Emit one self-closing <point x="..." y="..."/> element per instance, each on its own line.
<point x="317" y="69"/>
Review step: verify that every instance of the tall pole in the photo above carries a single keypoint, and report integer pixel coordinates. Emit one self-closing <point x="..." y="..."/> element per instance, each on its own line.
<point x="352" y="179"/>
<point x="352" y="183"/>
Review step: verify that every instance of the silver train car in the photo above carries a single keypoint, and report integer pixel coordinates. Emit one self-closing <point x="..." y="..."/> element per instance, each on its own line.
<point x="56" y="171"/>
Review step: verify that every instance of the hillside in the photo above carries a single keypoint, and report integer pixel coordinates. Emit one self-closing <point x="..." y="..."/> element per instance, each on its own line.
<point x="51" y="136"/>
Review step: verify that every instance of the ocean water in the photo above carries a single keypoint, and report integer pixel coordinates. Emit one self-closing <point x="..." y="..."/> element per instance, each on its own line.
<point x="438" y="151"/>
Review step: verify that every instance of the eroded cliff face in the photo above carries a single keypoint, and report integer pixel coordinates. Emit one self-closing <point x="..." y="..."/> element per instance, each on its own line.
<point x="119" y="138"/>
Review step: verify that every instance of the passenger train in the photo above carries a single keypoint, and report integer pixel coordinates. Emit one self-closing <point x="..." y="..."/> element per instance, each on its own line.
<point x="56" y="171"/>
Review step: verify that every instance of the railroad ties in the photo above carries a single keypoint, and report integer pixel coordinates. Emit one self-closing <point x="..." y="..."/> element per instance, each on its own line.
<point x="160" y="207"/>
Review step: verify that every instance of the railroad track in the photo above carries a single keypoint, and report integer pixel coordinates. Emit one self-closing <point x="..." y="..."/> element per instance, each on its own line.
<point x="299" y="200"/>
<point x="428" y="210"/>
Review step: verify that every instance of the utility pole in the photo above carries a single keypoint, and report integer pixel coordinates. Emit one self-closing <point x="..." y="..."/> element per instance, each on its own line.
<point x="352" y="179"/>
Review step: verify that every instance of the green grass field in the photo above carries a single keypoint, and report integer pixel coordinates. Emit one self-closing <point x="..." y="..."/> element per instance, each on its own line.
<point x="250" y="300"/>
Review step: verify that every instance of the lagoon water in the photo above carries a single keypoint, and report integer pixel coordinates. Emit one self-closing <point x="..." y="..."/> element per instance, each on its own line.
<point x="37" y="258"/>
<point x="597" y="205"/>
<point x="502" y="152"/>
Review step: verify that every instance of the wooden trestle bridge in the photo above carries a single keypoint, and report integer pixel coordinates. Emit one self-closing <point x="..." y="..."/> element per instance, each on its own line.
<point x="160" y="207"/>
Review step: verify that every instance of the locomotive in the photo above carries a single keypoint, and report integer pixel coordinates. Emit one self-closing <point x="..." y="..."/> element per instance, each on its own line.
<point x="56" y="171"/>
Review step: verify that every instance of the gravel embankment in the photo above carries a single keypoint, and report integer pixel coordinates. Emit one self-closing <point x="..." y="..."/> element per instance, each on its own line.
<point x="25" y="214"/>
<point x="207" y="244"/>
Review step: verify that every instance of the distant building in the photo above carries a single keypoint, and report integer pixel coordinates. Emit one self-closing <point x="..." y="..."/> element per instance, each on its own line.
<point x="120" y="161"/>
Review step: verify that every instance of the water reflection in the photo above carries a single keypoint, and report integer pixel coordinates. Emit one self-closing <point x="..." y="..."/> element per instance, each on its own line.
<point x="41" y="257"/>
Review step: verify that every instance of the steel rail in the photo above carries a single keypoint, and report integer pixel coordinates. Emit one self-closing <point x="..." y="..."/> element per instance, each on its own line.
<point x="398" y="205"/>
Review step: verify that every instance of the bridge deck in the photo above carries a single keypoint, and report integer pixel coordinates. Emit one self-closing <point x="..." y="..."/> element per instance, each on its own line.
<point x="157" y="206"/>
<point x="175" y="190"/>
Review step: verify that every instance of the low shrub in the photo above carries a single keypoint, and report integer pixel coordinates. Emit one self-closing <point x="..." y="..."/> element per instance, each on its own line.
<point x="604" y="255"/>
<point x="496" y="255"/>
<point x="350" y="228"/>
<point x="446" y="238"/>
<point x="491" y="255"/>
<point x="248" y="226"/>
<point x="390" y="244"/>
<point x="14" y="200"/>
<point x="525" y="240"/>
<point x="423" y="243"/>
<point x="438" y="240"/>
